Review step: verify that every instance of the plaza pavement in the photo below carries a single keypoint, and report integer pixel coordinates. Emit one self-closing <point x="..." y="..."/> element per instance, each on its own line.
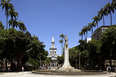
<point x="29" y="74"/>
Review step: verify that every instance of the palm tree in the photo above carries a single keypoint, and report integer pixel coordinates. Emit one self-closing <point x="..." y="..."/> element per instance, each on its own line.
<point x="91" y="25"/>
<point x="61" y="41"/>
<point x="109" y="8"/>
<point x="21" y="26"/>
<point x="96" y="19"/>
<point x="14" y="16"/>
<point x="81" y="34"/>
<point x="13" y="13"/>
<point x="62" y="36"/>
<point x="114" y="4"/>
<point x="83" y="31"/>
<point x="7" y="5"/>
<point x="101" y="14"/>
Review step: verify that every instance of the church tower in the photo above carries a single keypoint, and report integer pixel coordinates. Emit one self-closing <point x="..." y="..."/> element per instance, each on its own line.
<point x="52" y="49"/>
<point x="53" y="55"/>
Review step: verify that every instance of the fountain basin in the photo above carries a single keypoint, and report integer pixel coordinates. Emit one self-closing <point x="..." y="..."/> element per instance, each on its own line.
<point x="48" y="72"/>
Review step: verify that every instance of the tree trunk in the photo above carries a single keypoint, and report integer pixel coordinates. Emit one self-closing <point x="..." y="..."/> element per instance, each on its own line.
<point x="7" y="19"/>
<point x="86" y="35"/>
<point x="97" y="24"/>
<point x="18" y="64"/>
<point x="92" y="30"/>
<point x="110" y="19"/>
<point x="103" y="21"/>
<point x="6" y="64"/>
<point x="20" y="56"/>
<point x="111" y="57"/>
<point x="82" y="37"/>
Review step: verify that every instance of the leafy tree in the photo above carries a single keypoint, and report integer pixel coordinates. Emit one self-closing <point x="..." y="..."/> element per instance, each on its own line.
<point x="37" y="54"/>
<point x="82" y="45"/>
<point x="108" y="40"/>
<point x="93" y="50"/>
<point x="73" y="56"/>
<point x="90" y="54"/>
<point x="61" y="59"/>
<point x="4" y="45"/>
<point x="48" y="61"/>
<point x="19" y="46"/>
<point x="83" y="51"/>
<point x="14" y="44"/>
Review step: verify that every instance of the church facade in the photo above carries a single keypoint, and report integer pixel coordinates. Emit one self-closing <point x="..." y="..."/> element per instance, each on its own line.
<point x="53" y="55"/>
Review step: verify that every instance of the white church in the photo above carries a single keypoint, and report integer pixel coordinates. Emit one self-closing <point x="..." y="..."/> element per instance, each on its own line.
<point x="53" y="55"/>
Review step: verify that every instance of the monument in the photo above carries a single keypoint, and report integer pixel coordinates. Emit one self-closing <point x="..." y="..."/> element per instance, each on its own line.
<point x="66" y="66"/>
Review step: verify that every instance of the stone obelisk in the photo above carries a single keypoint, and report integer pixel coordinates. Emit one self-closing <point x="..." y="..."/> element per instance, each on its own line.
<point x="66" y="66"/>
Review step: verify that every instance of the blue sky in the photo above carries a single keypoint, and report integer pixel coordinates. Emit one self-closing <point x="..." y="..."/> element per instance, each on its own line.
<point x="47" y="18"/>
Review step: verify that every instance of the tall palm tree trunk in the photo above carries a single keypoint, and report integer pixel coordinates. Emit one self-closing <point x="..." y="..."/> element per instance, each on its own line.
<point x="6" y="22"/>
<point x="82" y="37"/>
<point x="92" y="30"/>
<point x="103" y="21"/>
<point x="110" y="19"/>
<point x="86" y="34"/>
<point x="97" y="24"/>
<point x="6" y="19"/>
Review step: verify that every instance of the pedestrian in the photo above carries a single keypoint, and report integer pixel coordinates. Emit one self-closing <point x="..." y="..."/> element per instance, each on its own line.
<point x="22" y="69"/>
<point x="108" y="69"/>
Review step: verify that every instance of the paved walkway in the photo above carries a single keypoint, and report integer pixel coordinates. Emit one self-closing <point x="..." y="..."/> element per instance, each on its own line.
<point x="29" y="74"/>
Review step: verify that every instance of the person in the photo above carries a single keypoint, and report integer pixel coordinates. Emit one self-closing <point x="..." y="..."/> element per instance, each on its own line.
<point x="108" y="69"/>
<point x="22" y="69"/>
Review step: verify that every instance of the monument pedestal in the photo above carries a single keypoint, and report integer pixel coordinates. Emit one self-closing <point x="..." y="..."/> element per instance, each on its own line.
<point x="68" y="69"/>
